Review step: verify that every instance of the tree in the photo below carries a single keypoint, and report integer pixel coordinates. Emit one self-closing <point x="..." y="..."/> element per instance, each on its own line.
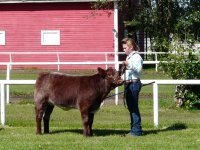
<point x="183" y="63"/>
<point x="173" y="26"/>
<point x="170" y="24"/>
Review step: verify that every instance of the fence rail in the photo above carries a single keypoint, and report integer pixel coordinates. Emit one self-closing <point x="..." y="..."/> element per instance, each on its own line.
<point x="8" y="72"/>
<point x="7" y="82"/>
<point x="58" y="54"/>
<point x="3" y="83"/>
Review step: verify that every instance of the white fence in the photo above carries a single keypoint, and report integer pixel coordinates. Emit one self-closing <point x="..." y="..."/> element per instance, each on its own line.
<point x="58" y="54"/>
<point x="3" y="83"/>
<point x="58" y="63"/>
<point x="7" y="82"/>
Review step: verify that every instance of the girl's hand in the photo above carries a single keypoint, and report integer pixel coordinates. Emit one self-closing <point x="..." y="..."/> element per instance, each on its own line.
<point x="125" y="63"/>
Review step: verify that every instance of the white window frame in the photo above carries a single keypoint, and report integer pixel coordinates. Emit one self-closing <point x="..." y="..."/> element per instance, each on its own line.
<point x="47" y="34"/>
<point x="2" y="38"/>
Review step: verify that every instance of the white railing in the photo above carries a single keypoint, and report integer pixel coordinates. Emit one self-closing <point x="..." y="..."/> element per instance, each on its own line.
<point x="167" y="82"/>
<point x="2" y="93"/>
<point x="7" y="82"/>
<point x="3" y="83"/>
<point x="106" y="54"/>
<point x="58" y="63"/>
<point x="9" y="64"/>
<point x="53" y="63"/>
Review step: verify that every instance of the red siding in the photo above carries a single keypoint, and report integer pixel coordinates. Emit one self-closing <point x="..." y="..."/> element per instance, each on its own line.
<point x="80" y="31"/>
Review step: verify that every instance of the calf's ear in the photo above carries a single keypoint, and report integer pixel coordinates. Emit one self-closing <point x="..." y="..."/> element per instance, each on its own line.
<point x="102" y="72"/>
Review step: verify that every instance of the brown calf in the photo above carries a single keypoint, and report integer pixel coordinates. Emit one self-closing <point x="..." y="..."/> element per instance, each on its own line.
<point x="85" y="93"/>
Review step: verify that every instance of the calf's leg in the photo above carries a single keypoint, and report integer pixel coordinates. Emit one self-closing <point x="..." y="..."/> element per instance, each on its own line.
<point x="39" y="113"/>
<point x="87" y="119"/>
<point x="91" y="118"/>
<point x="47" y="113"/>
<point x="90" y="121"/>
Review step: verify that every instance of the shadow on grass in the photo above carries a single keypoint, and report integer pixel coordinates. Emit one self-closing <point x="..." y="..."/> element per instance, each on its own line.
<point x="173" y="127"/>
<point x="67" y="130"/>
<point x="107" y="132"/>
<point x="96" y="132"/>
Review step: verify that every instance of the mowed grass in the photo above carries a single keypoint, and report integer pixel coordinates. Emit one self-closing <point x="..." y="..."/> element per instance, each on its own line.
<point x="178" y="128"/>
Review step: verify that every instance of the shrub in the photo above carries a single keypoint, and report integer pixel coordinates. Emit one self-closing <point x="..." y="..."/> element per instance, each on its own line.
<point x="182" y="62"/>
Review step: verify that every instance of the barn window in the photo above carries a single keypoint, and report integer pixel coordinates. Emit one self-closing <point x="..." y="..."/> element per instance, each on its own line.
<point x="50" y="37"/>
<point x="2" y="38"/>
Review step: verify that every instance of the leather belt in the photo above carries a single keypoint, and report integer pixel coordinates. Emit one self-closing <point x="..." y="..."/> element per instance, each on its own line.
<point x="132" y="80"/>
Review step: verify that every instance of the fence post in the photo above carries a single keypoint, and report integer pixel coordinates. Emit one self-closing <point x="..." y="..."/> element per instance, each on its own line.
<point x="10" y="60"/>
<point x="8" y="86"/>
<point x="155" y="104"/>
<point x="106" y="55"/>
<point x="2" y="104"/>
<point x="116" y="41"/>
<point x="156" y="56"/>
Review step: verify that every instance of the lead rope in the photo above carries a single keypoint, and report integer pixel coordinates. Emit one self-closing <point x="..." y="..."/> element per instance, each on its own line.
<point x="124" y="91"/>
<point x="124" y="96"/>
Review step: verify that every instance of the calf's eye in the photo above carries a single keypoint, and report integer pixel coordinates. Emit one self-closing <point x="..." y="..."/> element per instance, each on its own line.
<point x="110" y="76"/>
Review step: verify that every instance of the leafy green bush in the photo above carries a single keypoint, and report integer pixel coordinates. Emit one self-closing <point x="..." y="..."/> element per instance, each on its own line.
<point x="182" y="62"/>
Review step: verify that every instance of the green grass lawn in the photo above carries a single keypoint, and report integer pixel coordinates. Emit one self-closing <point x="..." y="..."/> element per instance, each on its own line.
<point x="178" y="128"/>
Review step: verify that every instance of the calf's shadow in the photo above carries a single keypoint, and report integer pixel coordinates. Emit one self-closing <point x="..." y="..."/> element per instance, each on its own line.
<point x="107" y="132"/>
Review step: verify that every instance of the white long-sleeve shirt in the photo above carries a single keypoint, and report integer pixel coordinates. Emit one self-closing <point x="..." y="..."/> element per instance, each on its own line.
<point x="134" y="67"/>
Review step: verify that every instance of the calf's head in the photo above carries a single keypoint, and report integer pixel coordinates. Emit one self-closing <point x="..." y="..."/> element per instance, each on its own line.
<point x="112" y="76"/>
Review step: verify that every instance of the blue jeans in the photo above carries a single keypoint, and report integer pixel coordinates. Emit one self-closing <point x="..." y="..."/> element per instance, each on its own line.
<point x="132" y="96"/>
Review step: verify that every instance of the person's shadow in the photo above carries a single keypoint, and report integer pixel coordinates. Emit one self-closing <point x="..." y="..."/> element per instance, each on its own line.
<point x="106" y="132"/>
<point x="173" y="127"/>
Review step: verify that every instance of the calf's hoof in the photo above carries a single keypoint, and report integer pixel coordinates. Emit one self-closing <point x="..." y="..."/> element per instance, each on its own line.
<point x="87" y="135"/>
<point x="46" y="132"/>
<point x="38" y="133"/>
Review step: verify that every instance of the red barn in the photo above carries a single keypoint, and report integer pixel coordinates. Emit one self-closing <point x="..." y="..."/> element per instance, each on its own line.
<point x="57" y="26"/>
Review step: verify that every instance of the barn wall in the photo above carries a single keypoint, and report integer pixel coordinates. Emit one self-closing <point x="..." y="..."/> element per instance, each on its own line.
<point x="81" y="29"/>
